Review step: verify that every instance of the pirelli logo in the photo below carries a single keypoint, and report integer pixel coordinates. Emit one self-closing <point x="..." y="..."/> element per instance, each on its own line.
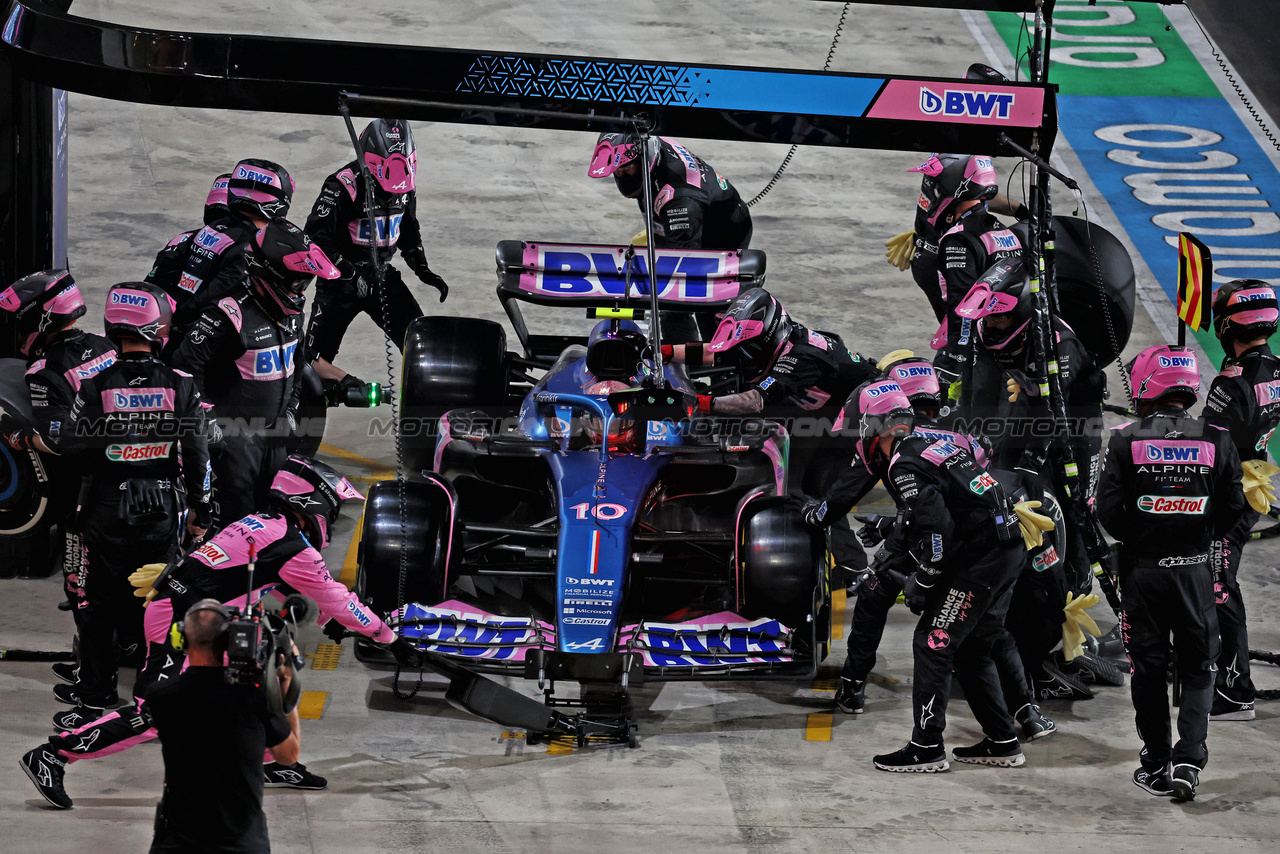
<point x="1172" y="506"/>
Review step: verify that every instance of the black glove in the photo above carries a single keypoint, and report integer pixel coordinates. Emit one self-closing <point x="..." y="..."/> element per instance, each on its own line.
<point x="142" y="501"/>
<point x="875" y="528"/>
<point x="406" y="654"/>
<point x="915" y="592"/>
<point x="1022" y="213"/>
<point x="203" y="513"/>
<point x="427" y="277"/>
<point x="335" y="631"/>
<point x="812" y="510"/>
<point x="363" y="287"/>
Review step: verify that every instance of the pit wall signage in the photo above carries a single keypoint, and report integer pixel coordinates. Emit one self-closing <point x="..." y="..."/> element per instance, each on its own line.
<point x="1160" y="141"/>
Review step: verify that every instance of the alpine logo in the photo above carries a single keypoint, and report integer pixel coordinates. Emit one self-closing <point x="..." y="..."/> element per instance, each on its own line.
<point x="1172" y="506"/>
<point x="981" y="105"/>
<point x="139" y="453"/>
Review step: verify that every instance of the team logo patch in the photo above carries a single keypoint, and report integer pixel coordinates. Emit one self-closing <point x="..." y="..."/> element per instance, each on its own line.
<point x="1172" y="506"/>
<point x="981" y="483"/>
<point x="939" y="639"/>
<point x="1220" y="594"/>
<point x="139" y="453"/>
<point x="212" y="554"/>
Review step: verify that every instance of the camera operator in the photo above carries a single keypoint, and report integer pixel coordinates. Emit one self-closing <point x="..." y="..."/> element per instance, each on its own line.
<point x="213" y="735"/>
<point x="284" y="548"/>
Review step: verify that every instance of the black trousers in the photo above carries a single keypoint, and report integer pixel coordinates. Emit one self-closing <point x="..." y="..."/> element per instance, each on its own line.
<point x="336" y="304"/>
<point x="244" y="464"/>
<point x="1233" y="681"/>
<point x="963" y="620"/>
<point x="1159" y="601"/>
<point x="112" y="549"/>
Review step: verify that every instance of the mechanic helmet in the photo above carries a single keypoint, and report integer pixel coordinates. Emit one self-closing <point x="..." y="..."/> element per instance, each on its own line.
<point x="259" y="188"/>
<point x="952" y="178"/>
<point x="752" y="333"/>
<point x="1164" y="372"/>
<point x="390" y="154"/>
<point x="42" y="304"/>
<point x="1245" y="309"/>
<point x="877" y="408"/>
<point x="315" y="492"/>
<point x="982" y="71"/>
<point x="918" y="381"/>
<point x="615" y="150"/>
<point x="1000" y="304"/>
<point x="215" y="204"/>
<point x="282" y="260"/>
<point x="622" y="431"/>
<point x="138" y="310"/>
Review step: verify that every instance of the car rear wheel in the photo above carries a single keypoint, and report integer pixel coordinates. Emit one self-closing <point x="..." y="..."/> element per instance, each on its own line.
<point x="783" y="569"/>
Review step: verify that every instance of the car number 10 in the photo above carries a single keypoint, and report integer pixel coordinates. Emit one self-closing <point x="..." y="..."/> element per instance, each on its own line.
<point x="604" y="512"/>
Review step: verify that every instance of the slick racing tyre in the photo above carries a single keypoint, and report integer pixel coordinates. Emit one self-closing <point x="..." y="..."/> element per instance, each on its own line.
<point x="782" y="561"/>
<point x="449" y="362"/>
<point x="24" y="481"/>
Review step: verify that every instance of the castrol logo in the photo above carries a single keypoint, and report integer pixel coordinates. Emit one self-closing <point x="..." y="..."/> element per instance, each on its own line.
<point x="1172" y="506"/>
<point x="139" y="453"/>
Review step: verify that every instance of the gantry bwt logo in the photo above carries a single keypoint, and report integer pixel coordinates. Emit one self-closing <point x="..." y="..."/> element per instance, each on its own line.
<point x="982" y="105"/>
<point x="1172" y="506"/>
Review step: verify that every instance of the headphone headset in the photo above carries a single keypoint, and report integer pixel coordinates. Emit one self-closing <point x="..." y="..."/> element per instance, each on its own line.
<point x="178" y="631"/>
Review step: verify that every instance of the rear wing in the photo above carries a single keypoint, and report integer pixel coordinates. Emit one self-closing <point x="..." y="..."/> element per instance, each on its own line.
<point x="607" y="276"/>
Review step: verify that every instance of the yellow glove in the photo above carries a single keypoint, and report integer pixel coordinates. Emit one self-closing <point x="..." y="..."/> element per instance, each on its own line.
<point x="641" y="239"/>
<point x="1014" y="389"/>
<point x="893" y="356"/>
<point x="1074" y="623"/>
<point x="1032" y="524"/>
<point x="900" y="249"/>
<point x="1256" y="480"/>
<point x="143" y="578"/>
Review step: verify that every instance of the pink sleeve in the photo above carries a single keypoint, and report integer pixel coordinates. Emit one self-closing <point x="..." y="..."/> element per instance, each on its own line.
<point x="306" y="573"/>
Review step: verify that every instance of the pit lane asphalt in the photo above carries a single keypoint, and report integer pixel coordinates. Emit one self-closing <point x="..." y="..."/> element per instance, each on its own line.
<point x="721" y="767"/>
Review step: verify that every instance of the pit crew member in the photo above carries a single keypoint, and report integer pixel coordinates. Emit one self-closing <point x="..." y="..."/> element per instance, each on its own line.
<point x="305" y="499"/>
<point x="242" y="353"/>
<point x="1170" y="485"/>
<point x="1244" y="399"/>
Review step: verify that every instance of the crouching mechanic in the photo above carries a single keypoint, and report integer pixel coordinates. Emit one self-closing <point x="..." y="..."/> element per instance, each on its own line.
<point x="960" y="552"/>
<point x="916" y="377"/>
<point x="284" y="543"/>
<point x="1244" y="400"/>
<point x="1170" y="485"/>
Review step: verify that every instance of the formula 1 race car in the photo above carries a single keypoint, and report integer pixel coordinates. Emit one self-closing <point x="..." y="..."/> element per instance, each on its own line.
<point x="587" y="523"/>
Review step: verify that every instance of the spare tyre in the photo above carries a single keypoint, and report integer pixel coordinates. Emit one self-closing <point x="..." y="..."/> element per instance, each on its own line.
<point x="1096" y="286"/>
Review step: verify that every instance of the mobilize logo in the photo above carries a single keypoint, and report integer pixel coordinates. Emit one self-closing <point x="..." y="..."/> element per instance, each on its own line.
<point x="139" y="453"/>
<point x="962" y="103"/>
<point x="1172" y="506"/>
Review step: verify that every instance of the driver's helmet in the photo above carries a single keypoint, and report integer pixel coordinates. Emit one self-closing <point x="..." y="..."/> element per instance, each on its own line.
<point x="621" y="430"/>
<point x="751" y="334"/>
<point x="952" y="178"/>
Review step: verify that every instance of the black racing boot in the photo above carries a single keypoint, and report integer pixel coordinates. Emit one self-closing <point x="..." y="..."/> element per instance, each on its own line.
<point x="1033" y="724"/>
<point x="1184" y="779"/>
<point x="46" y="769"/>
<point x="1156" y="782"/>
